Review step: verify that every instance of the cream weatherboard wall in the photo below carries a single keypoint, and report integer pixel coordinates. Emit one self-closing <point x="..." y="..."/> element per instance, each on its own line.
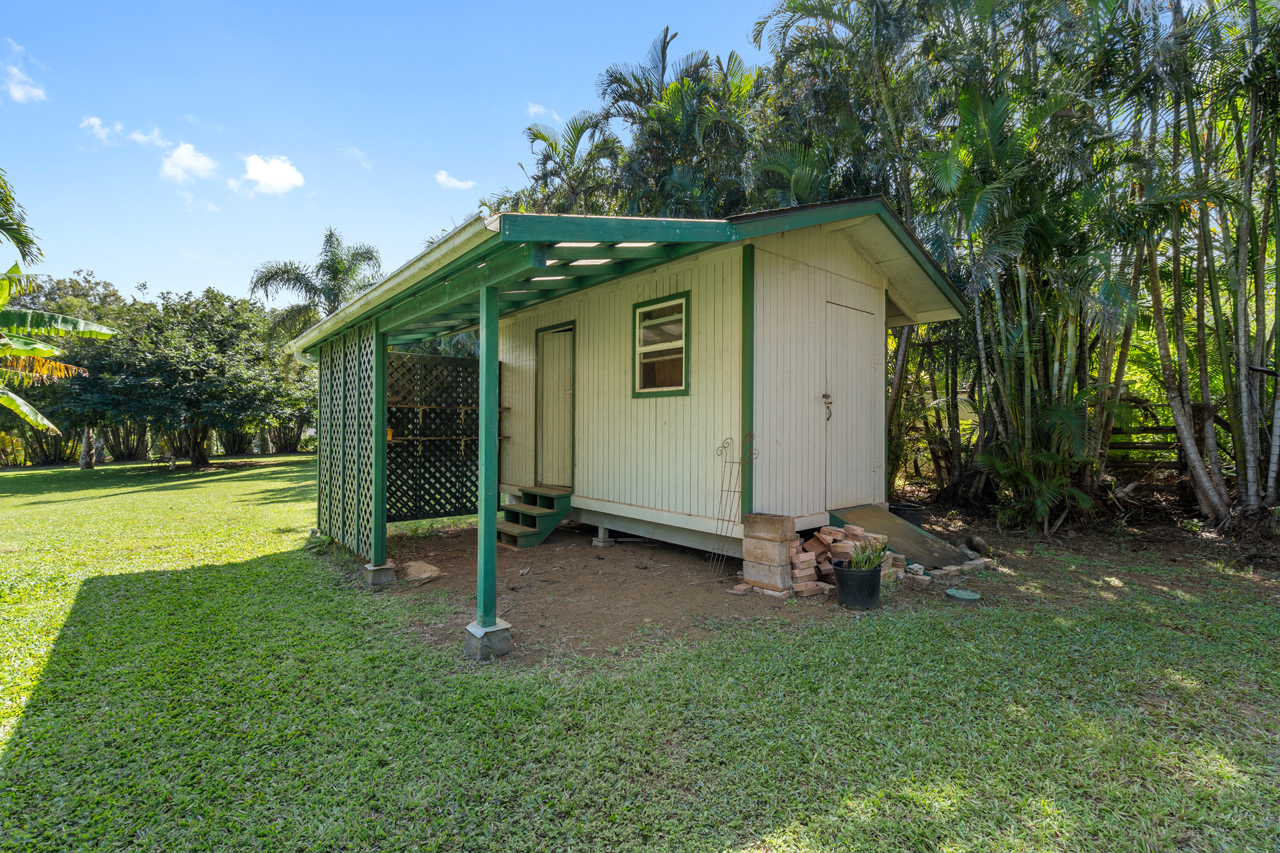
<point x="648" y="458"/>
<point x="798" y="274"/>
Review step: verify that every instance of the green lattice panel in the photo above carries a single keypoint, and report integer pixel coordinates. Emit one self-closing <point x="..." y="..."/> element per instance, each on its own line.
<point x="433" y="456"/>
<point x="345" y="440"/>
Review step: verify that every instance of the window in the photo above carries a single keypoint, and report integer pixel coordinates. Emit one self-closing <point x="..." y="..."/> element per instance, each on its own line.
<point x="661" y="335"/>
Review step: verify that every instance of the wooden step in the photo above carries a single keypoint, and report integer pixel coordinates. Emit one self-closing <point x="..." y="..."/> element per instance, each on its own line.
<point x="516" y="530"/>
<point x="547" y="491"/>
<point x="527" y="509"/>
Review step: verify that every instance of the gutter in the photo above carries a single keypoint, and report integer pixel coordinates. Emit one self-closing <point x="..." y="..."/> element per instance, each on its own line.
<point x="453" y="245"/>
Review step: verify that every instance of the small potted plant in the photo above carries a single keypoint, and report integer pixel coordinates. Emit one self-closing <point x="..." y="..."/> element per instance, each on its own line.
<point x="858" y="577"/>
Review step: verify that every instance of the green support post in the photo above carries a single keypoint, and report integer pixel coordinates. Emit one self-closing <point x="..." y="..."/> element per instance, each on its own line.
<point x="488" y="636"/>
<point x="748" y="377"/>
<point x="379" y="556"/>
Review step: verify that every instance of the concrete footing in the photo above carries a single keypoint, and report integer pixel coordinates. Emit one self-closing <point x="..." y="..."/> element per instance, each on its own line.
<point x="485" y="643"/>
<point x="603" y="539"/>
<point x="379" y="575"/>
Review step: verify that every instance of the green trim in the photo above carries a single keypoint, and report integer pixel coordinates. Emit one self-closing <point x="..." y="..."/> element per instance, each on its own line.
<point x="487" y="505"/>
<point x="537" y="401"/>
<point x="748" y="377"/>
<point x="378" y="536"/>
<point x="635" y="345"/>
<point x="556" y="228"/>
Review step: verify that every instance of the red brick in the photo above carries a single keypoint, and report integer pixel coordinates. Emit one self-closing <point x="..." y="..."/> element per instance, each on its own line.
<point x="815" y="546"/>
<point x="835" y="533"/>
<point x="823" y="538"/>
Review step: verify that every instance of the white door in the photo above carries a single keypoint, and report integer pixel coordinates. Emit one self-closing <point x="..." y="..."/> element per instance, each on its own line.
<point x="555" y="408"/>
<point x="854" y="407"/>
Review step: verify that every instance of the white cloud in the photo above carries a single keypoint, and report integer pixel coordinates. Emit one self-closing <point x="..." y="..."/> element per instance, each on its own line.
<point x="185" y="162"/>
<point x="272" y="176"/>
<point x="447" y="181"/>
<point x="152" y="138"/>
<point x="538" y="111"/>
<point x="22" y="88"/>
<point x="188" y="201"/>
<point x="357" y="155"/>
<point x="100" y="130"/>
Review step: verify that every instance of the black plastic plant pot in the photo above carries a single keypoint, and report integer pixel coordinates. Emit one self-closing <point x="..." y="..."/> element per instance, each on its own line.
<point x="910" y="513"/>
<point x="858" y="589"/>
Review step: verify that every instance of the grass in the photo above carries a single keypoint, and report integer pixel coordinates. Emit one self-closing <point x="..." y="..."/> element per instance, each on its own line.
<point x="179" y="673"/>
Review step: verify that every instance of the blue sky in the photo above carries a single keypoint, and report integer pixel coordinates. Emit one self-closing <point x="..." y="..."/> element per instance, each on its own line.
<point x="183" y="144"/>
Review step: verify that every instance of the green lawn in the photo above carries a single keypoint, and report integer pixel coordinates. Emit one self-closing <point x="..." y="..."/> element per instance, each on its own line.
<point x="177" y="673"/>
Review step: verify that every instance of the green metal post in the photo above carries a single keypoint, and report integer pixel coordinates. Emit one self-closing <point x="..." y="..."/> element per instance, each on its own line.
<point x="379" y="532"/>
<point x="748" y="377"/>
<point x="487" y="523"/>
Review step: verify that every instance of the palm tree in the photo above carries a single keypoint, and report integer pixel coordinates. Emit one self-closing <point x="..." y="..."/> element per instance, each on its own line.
<point x="342" y="272"/>
<point x="13" y="224"/>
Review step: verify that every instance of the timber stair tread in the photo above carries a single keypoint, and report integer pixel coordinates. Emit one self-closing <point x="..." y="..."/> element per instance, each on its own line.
<point x="527" y="509"/>
<point x="547" y="491"/>
<point x="512" y="529"/>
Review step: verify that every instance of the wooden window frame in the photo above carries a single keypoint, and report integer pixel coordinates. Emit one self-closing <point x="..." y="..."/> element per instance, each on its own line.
<point x="671" y="299"/>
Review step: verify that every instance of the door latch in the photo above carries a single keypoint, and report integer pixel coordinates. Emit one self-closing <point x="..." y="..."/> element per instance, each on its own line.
<point x="826" y="399"/>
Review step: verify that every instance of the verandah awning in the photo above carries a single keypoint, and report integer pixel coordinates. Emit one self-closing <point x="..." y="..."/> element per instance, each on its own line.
<point x="534" y="258"/>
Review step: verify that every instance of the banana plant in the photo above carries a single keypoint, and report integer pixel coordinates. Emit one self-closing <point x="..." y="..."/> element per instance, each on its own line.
<point x="25" y="361"/>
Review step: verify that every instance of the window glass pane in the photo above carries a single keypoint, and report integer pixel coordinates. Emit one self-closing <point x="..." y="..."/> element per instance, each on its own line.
<point x="662" y="332"/>
<point x="667" y="373"/>
<point x="664" y="311"/>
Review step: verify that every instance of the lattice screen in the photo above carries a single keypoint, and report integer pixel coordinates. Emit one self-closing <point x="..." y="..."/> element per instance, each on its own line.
<point x="344" y="433"/>
<point x="433" y="412"/>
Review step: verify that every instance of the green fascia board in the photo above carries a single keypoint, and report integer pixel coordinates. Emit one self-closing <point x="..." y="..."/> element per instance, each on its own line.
<point x="556" y="228"/>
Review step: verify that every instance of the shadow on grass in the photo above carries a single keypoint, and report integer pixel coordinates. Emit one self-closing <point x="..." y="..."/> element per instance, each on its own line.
<point x="45" y="485"/>
<point x="270" y="704"/>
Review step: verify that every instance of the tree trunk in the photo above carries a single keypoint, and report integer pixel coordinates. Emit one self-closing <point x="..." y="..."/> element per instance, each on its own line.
<point x="1206" y="388"/>
<point x="1181" y="421"/>
<point x="197" y="437"/>
<point x="86" y="450"/>
<point x="895" y="395"/>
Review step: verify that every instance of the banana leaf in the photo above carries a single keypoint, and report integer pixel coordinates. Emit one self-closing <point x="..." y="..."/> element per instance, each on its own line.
<point x="26" y="411"/>
<point x="14" y="345"/>
<point x="21" y="322"/>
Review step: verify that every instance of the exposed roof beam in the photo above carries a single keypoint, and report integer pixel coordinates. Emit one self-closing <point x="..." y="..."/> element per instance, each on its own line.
<point x="503" y="269"/>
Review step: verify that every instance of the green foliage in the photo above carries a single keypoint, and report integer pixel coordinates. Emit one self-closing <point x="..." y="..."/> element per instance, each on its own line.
<point x="867" y="555"/>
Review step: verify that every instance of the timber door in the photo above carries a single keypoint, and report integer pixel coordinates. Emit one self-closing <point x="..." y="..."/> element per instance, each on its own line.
<point x="555" y="408"/>
<point x="854" y="407"/>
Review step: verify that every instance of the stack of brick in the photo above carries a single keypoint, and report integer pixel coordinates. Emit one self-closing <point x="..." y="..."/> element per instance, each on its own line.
<point x="767" y="541"/>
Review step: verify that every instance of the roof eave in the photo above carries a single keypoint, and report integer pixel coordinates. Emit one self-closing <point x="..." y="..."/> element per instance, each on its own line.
<point x="758" y="224"/>
<point x="448" y="248"/>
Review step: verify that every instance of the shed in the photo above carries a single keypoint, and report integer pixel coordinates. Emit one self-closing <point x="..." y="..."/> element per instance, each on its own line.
<point x="658" y="377"/>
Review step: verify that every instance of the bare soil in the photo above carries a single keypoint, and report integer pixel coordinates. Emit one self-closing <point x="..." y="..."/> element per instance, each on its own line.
<point x="567" y="597"/>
